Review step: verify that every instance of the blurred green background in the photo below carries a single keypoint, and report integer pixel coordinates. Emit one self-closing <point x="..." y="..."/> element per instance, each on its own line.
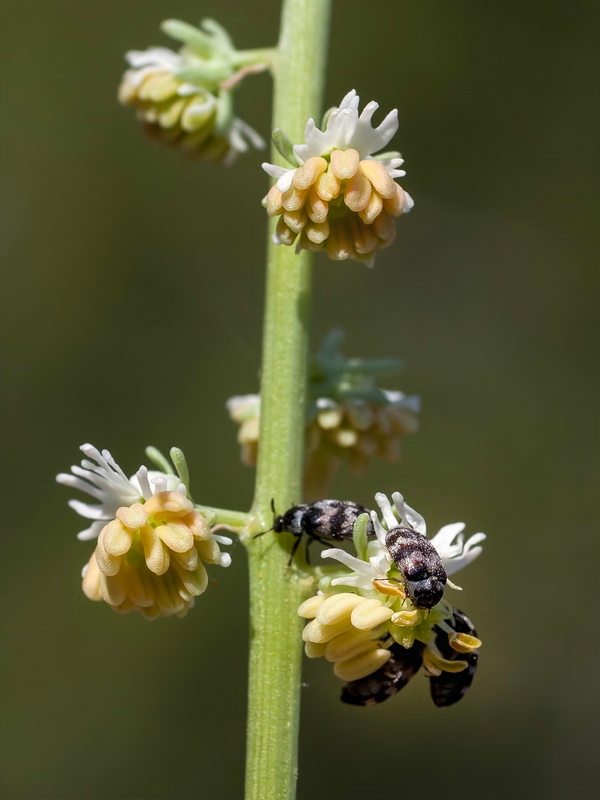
<point x="132" y="301"/>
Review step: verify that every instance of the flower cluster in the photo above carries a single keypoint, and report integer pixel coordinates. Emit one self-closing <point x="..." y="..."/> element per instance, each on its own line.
<point x="184" y="98"/>
<point x="360" y="619"/>
<point x="341" y="199"/>
<point x="349" y="418"/>
<point x="152" y="544"/>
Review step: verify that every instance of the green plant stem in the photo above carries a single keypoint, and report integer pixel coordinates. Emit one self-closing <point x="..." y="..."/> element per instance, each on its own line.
<point x="223" y="516"/>
<point x="275" y="589"/>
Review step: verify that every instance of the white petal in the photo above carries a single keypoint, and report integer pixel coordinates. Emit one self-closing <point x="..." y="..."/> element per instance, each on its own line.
<point x="92" y="532"/>
<point x="88" y="511"/>
<point x="411" y="517"/>
<point x="444" y="538"/>
<point x="455" y="564"/>
<point x="154" y="56"/>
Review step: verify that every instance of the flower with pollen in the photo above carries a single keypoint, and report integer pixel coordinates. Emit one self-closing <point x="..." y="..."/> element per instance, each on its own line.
<point x="349" y="418"/>
<point x="152" y="543"/>
<point x="362" y="618"/>
<point x="184" y="98"/>
<point x="341" y="199"/>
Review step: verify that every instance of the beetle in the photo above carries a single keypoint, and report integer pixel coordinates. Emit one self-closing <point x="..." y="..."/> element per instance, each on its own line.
<point x="450" y="687"/>
<point x="323" y="521"/>
<point x="446" y="689"/>
<point x="419" y="564"/>
<point x="387" y="680"/>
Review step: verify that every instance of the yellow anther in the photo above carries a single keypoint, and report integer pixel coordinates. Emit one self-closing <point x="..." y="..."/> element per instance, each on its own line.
<point x="435" y="664"/>
<point x="406" y="619"/>
<point x="463" y="642"/>
<point x="393" y="588"/>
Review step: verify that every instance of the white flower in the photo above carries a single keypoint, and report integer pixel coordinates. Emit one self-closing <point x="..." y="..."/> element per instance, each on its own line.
<point x="449" y="543"/>
<point x="106" y="482"/>
<point x="337" y="172"/>
<point x="345" y="129"/>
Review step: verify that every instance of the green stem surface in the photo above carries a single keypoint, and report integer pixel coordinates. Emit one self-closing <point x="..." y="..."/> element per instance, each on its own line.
<point x="276" y="590"/>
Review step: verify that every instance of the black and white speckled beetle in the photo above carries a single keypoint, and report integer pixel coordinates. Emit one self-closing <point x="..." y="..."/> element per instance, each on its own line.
<point x="387" y="680"/>
<point x="416" y="559"/>
<point x="324" y="521"/>
<point x="450" y="687"/>
<point x="419" y="564"/>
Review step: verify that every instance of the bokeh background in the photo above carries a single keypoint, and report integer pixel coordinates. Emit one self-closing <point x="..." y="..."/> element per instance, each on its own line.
<point x="121" y="257"/>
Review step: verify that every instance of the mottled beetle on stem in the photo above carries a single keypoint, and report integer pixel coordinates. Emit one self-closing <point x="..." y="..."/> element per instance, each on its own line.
<point x="323" y="521"/>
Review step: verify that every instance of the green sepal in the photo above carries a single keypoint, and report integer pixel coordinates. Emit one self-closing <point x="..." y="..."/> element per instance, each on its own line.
<point x="219" y="35"/>
<point x="197" y="41"/>
<point x="224" y="116"/>
<point x="181" y="466"/>
<point x="161" y="461"/>
<point x="385" y="156"/>
<point x="359" y="536"/>
<point x="209" y="515"/>
<point x="210" y="72"/>
<point x="284" y="146"/>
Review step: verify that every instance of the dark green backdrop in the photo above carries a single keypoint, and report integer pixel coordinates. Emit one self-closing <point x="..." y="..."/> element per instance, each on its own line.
<point x="132" y="310"/>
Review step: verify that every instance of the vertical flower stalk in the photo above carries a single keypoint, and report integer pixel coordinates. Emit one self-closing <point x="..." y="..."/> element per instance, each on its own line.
<point x="275" y="590"/>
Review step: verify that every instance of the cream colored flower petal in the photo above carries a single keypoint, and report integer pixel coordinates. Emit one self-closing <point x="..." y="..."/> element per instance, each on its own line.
<point x="176" y="535"/>
<point x="314" y="650"/>
<point x="358" y="192"/>
<point x="362" y="665"/>
<point x="114" y="588"/>
<point x="115" y="540"/>
<point x="338" y="607"/>
<point x="188" y="560"/>
<point x="317" y="233"/>
<point x="378" y="175"/>
<point x="309" y="172"/>
<point x="133" y="516"/>
<point x="91" y="580"/>
<point x="209" y="551"/>
<point x="344" y="163"/>
<point x="193" y="582"/>
<point x="107" y="563"/>
<point x="369" y="614"/>
<point x="314" y="632"/>
<point x="308" y="609"/>
<point x="373" y="209"/>
<point x="155" y="552"/>
<point x="348" y="644"/>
